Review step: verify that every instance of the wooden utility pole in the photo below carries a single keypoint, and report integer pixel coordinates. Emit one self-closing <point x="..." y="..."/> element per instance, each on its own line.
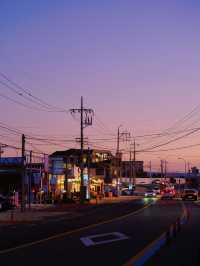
<point x="85" y="120"/>
<point x="23" y="204"/>
<point x="29" y="181"/>
<point x="118" y="155"/>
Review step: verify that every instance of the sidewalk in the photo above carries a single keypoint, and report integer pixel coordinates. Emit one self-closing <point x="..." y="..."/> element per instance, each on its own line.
<point x="36" y="213"/>
<point x="41" y="211"/>
<point x="184" y="250"/>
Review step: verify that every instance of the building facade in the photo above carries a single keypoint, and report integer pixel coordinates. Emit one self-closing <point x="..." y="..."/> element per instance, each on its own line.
<point x="65" y="174"/>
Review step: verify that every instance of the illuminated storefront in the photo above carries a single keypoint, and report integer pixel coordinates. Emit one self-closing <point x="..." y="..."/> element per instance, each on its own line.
<point x="65" y="166"/>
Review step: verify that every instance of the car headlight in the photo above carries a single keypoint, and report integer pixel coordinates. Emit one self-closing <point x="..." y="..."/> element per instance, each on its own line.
<point x="146" y="194"/>
<point x="154" y="194"/>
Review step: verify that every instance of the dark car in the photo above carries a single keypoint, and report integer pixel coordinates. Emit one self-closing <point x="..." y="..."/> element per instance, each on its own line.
<point x="5" y="203"/>
<point x="127" y="192"/>
<point x="190" y="194"/>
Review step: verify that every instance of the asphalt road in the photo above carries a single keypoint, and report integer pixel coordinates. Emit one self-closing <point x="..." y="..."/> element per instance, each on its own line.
<point x="184" y="250"/>
<point x="18" y="234"/>
<point x="111" y="243"/>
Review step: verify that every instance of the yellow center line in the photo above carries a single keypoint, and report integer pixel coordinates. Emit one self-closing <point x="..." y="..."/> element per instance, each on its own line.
<point x="60" y="235"/>
<point x="141" y="253"/>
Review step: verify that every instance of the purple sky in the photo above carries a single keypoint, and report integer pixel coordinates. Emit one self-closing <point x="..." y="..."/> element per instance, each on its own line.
<point x="135" y="62"/>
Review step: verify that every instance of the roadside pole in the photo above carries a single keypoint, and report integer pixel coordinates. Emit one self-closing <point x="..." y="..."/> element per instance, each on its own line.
<point x="88" y="184"/>
<point x="117" y="160"/>
<point x="23" y="205"/>
<point x="29" y="181"/>
<point x="86" y="115"/>
<point x="119" y="156"/>
<point x="150" y="170"/>
<point x="134" y="164"/>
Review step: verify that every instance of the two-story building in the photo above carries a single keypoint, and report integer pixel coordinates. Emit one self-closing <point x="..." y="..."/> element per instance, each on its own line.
<point x="64" y="171"/>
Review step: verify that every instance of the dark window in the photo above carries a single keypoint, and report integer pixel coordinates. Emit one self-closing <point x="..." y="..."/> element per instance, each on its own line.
<point x="99" y="171"/>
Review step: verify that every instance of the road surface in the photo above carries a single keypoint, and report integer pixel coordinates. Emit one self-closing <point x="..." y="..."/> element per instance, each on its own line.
<point x="110" y="243"/>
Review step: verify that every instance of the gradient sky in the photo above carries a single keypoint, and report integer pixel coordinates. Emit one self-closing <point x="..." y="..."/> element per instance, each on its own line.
<point x="135" y="62"/>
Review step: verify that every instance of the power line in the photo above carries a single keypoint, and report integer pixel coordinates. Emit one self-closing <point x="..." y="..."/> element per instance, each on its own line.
<point x="22" y="104"/>
<point x="172" y="140"/>
<point x="173" y="149"/>
<point x="20" y="91"/>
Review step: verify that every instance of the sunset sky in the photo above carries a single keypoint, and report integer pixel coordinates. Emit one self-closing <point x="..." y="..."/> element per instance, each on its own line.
<point x="136" y="63"/>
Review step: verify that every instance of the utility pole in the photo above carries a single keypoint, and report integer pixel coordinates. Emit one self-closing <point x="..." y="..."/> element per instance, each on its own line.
<point x="165" y="170"/>
<point x="118" y="136"/>
<point x="161" y="169"/>
<point x="82" y="192"/>
<point x="1" y="148"/>
<point x="188" y="164"/>
<point x="150" y="169"/>
<point x="134" y="163"/>
<point x="130" y="169"/>
<point x="89" y="162"/>
<point x="86" y="116"/>
<point x="118" y="155"/>
<point x="23" y="204"/>
<point x="29" y="181"/>
<point x="134" y="157"/>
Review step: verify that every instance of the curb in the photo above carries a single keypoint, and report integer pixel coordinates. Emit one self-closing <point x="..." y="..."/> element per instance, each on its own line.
<point x="165" y="238"/>
<point x="15" y="222"/>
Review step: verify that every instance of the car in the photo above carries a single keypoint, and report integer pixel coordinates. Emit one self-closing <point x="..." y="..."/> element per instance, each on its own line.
<point x="167" y="194"/>
<point x="149" y="193"/>
<point x="156" y="190"/>
<point x="190" y="194"/>
<point x="126" y="192"/>
<point x="5" y="203"/>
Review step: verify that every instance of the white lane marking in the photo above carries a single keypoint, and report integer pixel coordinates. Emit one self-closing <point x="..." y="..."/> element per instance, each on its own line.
<point x="89" y="240"/>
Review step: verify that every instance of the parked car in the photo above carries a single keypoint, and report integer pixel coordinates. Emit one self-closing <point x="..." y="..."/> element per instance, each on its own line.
<point x="190" y="194"/>
<point x="5" y="204"/>
<point x="126" y="192"/>
<point x="168" y="194"/>
<point x="149" y="194"/>
<point x="156" y="190"/>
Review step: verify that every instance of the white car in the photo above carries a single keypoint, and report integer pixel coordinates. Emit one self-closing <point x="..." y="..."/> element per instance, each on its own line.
<point x="149" y="194"/>
<point x="156" y="190"/>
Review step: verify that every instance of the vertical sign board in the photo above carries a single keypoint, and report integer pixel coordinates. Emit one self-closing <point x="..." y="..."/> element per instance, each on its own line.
<point x="86" y="184"/>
